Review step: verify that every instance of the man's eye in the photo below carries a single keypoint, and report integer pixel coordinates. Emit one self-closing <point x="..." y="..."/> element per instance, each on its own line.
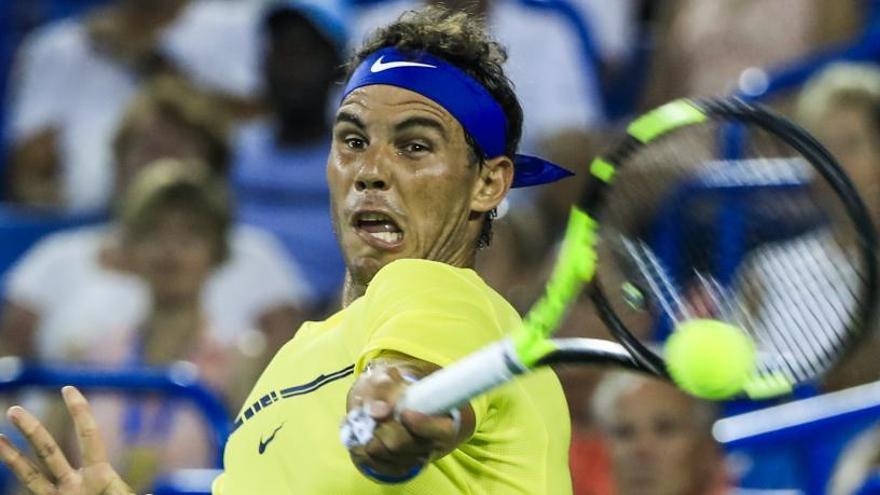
<point x="667" y="427"/>
<point x="623" y="432"/>
<point x="416" y="148"/>
<point x="355" y="143"/>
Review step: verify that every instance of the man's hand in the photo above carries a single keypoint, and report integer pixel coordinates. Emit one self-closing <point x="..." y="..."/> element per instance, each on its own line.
<point x="402" y="444"/>
<point x="96" y="477"/>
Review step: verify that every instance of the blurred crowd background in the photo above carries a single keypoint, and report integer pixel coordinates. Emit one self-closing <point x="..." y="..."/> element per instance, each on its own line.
<point x="164" y="200"/>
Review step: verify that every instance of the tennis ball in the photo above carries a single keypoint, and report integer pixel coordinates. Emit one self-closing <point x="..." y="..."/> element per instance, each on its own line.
<point x="709" y="358"/>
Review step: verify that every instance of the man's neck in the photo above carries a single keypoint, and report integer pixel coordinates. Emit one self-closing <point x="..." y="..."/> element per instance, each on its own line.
<point x="354" y="289"/>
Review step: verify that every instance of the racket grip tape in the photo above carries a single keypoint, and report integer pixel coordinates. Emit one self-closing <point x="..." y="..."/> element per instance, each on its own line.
<point x="450" y="387"/>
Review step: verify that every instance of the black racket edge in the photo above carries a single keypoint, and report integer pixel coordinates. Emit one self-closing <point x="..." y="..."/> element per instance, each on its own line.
<point x="731" y="109"/>
<point x="589" y="351"/>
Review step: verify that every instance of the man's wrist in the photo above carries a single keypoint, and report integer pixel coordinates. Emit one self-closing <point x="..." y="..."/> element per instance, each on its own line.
<point x="387" y="478"/>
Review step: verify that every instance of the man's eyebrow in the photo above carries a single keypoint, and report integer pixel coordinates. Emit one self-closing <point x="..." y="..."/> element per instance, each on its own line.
<point x="350" y="118"/>
<point x="421" y="122"/>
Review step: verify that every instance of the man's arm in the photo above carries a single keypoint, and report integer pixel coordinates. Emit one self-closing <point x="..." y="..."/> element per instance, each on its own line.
<point x="400" y="445"/>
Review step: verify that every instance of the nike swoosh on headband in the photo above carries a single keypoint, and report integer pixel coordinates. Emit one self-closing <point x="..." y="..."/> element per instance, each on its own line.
<point x="379" y="66"/>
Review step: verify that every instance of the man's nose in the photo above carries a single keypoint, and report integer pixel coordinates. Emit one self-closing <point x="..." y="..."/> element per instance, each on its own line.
<point x="371" y="182"/>
<point x="374" y="172"/>
<point x="645" y="447"/>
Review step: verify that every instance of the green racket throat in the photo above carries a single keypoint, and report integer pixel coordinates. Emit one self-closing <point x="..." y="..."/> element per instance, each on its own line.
<point x="575" y="266"/>
<point x="665" y="118"/>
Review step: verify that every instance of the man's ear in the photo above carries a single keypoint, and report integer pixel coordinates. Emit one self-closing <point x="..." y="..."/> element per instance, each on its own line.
<point x="493" y="183"/>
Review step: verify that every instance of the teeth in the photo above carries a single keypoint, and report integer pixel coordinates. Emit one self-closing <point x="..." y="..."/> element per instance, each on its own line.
<point x="390" y="237"/>
<point x="374" y="217"/>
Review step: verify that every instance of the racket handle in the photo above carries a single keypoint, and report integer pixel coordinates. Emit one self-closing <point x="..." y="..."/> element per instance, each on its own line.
<point x="450" y="387"/>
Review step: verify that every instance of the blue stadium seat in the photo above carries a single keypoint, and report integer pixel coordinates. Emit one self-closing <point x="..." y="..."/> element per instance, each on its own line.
<point x="808" y="434"/>
<point x="186" y="482"/>
<point x="175" y="382"/>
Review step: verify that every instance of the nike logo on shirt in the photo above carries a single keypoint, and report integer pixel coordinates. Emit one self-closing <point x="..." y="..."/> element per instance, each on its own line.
<point x="264" y="444"/>
<point x="379" y="66"/>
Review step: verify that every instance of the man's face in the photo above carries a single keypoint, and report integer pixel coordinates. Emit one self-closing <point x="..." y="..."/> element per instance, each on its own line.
<point x="155" y="137"/>
<point x="850" y="133"/>
<point x="401" y="181"/>
<point x="656" y="443"/>
<point x="176" y="256"/>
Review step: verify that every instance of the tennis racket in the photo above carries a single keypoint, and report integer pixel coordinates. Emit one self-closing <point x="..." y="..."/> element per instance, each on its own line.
<point x="714" y="209"/>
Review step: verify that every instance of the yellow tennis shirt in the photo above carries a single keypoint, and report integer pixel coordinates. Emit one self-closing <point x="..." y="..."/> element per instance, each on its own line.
<point x="286" y="438"/>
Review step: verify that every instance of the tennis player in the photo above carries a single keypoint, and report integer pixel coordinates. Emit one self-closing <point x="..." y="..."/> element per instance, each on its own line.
<point x="423" y="152"/>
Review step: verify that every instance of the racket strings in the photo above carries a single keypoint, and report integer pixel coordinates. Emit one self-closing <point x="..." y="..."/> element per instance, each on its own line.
<point x="797" y="352"/>
<point x="807" y="288"/>
<point x="659" y="283"/>
<point x="734" y="310"/>
<point x="662" y="288"/>
<point x="812" y="279"/>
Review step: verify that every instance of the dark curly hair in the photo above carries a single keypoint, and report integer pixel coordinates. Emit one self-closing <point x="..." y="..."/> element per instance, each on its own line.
<point x="460" y="39"/>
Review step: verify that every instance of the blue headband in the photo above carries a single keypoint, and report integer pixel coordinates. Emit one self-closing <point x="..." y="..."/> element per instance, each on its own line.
<point x="463" y="97"/>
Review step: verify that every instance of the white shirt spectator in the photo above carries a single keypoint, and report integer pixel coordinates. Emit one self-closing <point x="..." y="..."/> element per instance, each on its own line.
<point x="556" y="89"/>
<point x="62" y="279"/>
<point x="613" y="26"/>
<point x="217" y="44"/>
<point x="61" y="81"/>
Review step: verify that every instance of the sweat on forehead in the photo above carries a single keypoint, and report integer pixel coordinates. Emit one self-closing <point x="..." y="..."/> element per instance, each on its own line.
<point x="409" y="109"/>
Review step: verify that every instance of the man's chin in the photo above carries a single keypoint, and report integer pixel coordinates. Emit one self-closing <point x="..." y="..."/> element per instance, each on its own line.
<point x="363" y="269"/>
<point x="641" y="484"/>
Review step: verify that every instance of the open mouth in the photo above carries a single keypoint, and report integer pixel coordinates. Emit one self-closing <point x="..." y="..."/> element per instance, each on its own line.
<point x="379" y="227"/>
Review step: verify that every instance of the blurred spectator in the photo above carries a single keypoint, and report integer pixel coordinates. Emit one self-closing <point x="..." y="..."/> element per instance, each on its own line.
<point x="589" y="462"/>
<point x="75" y="283"/>
<point x="279" y="169"/>
<point x="174" y="228"/>
<point x="658" y="437"/>
<point x="703" y="46"/>
<point x="526" y="237"/>
<point x="613" y="27"/>
<point x="74" y="78"/>
<point x="858" y="468"/>
<point x="620" y="37"/>
<point x="557" y="88"/>
<point x="841" y="106"/>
